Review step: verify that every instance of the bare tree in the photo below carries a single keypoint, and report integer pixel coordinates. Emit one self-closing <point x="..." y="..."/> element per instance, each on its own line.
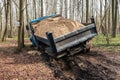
<point x="109" y="20"/>
<point x="73" y="9"/>
<point x="115" y="18"/>
<point x="106" y="28"/>
<point x="21" y="27"/>
<point x="10" y="23"/>
<point x="82" y="10"/>
<point x="7" y="20"/>
<point x="0" y="19"/>
<point x="87" y="10"/>
<point x="92" y="6"/>
<point x="41" y="8"/>
<point x="27" y="17"/>
<point x="34" y="6"/>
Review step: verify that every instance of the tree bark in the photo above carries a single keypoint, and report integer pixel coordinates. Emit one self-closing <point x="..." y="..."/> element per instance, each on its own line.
<point x="101" y="15"/>
<point x="21" y="27"/>
<point x="34" y="6"/>
<point x="82" y="10"/>
<point x="65" y="8"/>
<point x="72" y="9"/>
<point x="105" y="17"/>
<point x="7" y="20"/>
<point x="0" y="19"/>
<point x="109" y="20"/>
<point x="115" y="19"/>
<point x="27" y="18"/>
<point x="10" y="22"/>
<point x="92" y="7"/>
<point x="41" y="8"/>
<point x="106" y="28"/>
<point x="87" y="10"/>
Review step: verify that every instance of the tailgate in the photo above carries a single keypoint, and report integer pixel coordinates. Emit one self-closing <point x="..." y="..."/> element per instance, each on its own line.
<point x="76" y="37"/>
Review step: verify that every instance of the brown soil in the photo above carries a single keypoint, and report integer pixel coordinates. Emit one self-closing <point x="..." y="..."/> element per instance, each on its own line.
<point x="28" y="65"/>
<point x="58" y="25"/>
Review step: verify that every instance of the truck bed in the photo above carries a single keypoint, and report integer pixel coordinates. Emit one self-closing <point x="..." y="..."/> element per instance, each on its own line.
<point x="57" y="47"/>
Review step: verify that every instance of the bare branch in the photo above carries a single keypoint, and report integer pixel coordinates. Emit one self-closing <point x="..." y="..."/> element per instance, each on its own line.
<point x="15" y="4"/>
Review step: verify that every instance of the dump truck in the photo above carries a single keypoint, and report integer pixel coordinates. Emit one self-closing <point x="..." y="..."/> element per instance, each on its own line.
<point x="61" y="41"/>
<point x="68" y="44"/>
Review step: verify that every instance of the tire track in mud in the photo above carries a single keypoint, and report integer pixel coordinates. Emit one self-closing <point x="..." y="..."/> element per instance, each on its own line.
<point x="92" y="66"/>
<point x="108" y="60"/>
<point x="86" y="69"/>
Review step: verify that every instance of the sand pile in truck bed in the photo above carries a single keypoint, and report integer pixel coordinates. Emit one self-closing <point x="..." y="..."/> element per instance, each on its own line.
<point x="58" y="25"/>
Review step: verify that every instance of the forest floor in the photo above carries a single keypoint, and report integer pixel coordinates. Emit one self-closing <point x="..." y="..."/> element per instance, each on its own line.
<point x="99" y="64"/>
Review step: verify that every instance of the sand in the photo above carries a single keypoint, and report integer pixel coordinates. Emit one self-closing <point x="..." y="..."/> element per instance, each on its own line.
<point x="58" y="26"/>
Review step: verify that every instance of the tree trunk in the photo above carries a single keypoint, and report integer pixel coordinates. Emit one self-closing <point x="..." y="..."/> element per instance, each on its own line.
<point x="66" y="8"/>
<point x="82" y="10"/>
<point x="0" y="20"/>
<point x="10" y="23"/>
<point x="27" y="17"/>
<point x="105" y="17"/>
<point x="115" y="19"/>
<point x="34" y="6"/>
<point x="87" y="10"/>
<point x="101" y="8"/>
<point x="72" y="9"/>
<point x="41" y="8"/>
<point x="106" y="28"/>
<point x="21" y="27"/>
<point x="92" y="7"/>
<point x="7" y="20"/>
<point x="109" y="20"/>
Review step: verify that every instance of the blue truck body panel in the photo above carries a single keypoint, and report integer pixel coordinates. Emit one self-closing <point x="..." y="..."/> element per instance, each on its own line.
<point x="42" y="18"/>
